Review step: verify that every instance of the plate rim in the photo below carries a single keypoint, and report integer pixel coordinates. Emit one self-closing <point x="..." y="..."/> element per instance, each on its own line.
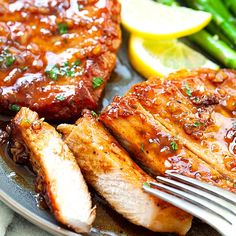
<point x="34" y="218"/>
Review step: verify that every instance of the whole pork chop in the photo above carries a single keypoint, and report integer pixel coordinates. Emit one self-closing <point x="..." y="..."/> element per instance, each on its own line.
<point x="56" y="55"/>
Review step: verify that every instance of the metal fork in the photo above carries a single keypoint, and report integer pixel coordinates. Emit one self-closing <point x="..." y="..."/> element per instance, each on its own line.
<point x="215" y="206"/>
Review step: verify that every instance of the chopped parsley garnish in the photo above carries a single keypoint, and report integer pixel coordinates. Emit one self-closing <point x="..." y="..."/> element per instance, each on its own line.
<point x="197" y="124"/>
<point x="60" y="97"/>
<point x="174" y="146"/>
<point x="54" y="73"/>
<point x="97" y="82"/>
<point x="63" y="28"/>
<point x="76" y="63"/>
<point x="10" y="60"/>
<point x="146" y="184"/>
<point x="15" y="107"/>
<point x="142" y="147"/>
<point x="94" y="114"/>
<point x="6" y="59"/>
<point x="66" y="69"/>
<point x="188" y="90"/>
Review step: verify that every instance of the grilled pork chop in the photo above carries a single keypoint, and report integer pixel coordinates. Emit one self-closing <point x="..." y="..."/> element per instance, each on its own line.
<point x="109" y="169"/>
<point x="56" y="55"/>
<point x="179" y="123"/>
<point x="59" y="179"/>
<point x="191" y="106"/>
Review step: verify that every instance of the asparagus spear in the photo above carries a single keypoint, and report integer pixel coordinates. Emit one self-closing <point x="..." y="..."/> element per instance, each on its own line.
<point x="231" y="4"/>
<point x="168" y="2"/>
<point x="214" y="30"/>
<point x="222" y="10"/>
<point x="217" y="48"/>
<point x="228" y="28"/>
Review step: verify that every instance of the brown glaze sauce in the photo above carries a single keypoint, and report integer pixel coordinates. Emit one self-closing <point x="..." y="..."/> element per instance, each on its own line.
<point x="150" y="141"/>
<point x="196" y="107"/>
<point x="38" y="37"/>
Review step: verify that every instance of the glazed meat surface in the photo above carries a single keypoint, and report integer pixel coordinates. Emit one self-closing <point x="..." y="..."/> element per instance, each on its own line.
<point x="59" y="179"/>
<point x="184" y="123"/>
<point x="56" y="56"/>
<point x="109" y="169"/>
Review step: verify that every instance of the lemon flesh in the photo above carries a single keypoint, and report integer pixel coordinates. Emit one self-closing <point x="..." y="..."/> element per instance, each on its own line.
<point x="153" y="20"/>
<point x="152" y="57"/>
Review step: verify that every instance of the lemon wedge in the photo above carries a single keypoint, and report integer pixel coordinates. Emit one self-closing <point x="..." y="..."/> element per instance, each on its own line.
<point x="153" y="20"/>
<point x="152" y="57"/>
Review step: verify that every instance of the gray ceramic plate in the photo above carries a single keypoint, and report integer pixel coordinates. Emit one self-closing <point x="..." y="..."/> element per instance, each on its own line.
<point x="17" y="183"/>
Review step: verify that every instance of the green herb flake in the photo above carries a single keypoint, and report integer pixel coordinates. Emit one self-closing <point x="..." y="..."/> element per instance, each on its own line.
<point x="15" y="107"/>
<point x="146" y="184"/>
<point x="94" y="114"/>
<point x="188" y="90"/>
<point x="6" y="58"/>
<point x="76" y="63"/>
<point x="197" y="124"/>
<point x="10" y="60"/>
<point x="142" y="147"/>
<point x="54" y="73"/>
<point x="65" y="64"/>
<point x="174" y="146"/>
<point x="97" y="82"/>
<point x="62" y="28"/>
<point x="66" y="69"/>
<point x="60" y="97"/>
<point x="234" y="184"/>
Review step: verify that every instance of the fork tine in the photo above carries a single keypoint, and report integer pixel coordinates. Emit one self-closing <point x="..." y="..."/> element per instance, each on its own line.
<point x="207" y="216"/>
<point x="217" y="210"/>
<point x="207" y="187"/>
<point x="228" y="206"/>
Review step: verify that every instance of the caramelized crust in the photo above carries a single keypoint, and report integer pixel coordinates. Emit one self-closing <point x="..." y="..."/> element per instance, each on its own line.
<point x="209" y="85"/>
<point x="109" y="169"/>
<point x="194" y="109"/>
<point x="187" y="111"/>
<point x="59" y="179"/>
<point x="155" y="147"/>
<point x="51" y="51"/>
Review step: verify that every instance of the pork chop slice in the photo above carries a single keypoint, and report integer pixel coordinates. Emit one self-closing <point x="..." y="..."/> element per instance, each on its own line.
<point x="109" y="169"/>
<point x="56" y="56"/>
<point x="59" y="178"/>
<point x="191" y="108"/>
<point x="153" y="145"/>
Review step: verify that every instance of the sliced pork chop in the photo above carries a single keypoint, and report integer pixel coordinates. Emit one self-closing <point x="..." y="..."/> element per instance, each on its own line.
<point x="109" y="169"/>
<point x="56" y="56"/>
<point x="59" y="178"/>
<point x="155" y="147"/>
<point x="192" y="108"/>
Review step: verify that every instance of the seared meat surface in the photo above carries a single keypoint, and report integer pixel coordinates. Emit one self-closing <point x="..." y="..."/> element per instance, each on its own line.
<point x="56" y="56"/>
<point x="184" y="123"/>
<point x="59" y="178"/>
<point x="109" y="169"/>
